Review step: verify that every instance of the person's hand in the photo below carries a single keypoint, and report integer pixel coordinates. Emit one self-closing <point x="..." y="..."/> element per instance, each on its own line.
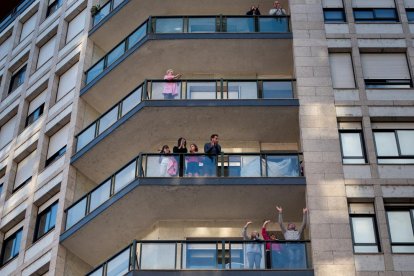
<point x="279" y="209"/>
<point x="248" y="223"/>
<point x="305" y="210"/>
<point x="265" y="223"/>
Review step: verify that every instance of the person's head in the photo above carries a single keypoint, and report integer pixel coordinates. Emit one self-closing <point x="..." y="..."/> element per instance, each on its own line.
<point x="181" y="140"/>
<point x="170" y="72"/>
<point x="193" y="148"/>
<point x="253" y="8"/>
<point x="272" y="237"/>
<point x="214" y="138"/>
<point x="165" y="149"/>
<point x="254" y="235"/>
<point x="291" y="226"/>
<point x="277" y="5"/>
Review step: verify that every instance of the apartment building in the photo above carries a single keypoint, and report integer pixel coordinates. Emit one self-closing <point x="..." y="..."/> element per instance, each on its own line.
<point x="313" y="108"/>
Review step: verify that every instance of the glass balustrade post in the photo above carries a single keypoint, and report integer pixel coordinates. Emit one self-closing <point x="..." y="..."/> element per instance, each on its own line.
<point x="134" y="255"/>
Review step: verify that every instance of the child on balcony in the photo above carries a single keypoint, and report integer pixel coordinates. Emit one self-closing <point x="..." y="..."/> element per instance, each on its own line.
<point x="170" y="86"/>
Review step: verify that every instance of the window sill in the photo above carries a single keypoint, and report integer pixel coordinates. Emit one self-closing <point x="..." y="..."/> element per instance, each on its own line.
<point x="36" y="241"/>
<point x="8" y="261"/>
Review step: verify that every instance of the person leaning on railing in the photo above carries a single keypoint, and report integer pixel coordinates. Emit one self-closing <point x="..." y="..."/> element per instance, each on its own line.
<point x="277" y="9"/>
<point x="212" y="149"/>
<point x="181" y="149"/>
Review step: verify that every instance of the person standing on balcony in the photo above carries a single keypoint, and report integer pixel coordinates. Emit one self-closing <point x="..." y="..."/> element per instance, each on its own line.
<point x="253" y="11"/>
<point x="193" y="161"/>
<point x="168" y="164"/>
<point x="212" y="149"/>
<point x="295" y="251"/>
<point x="272" y="249"/>
<point x="181" y="148"/>
<point x="170" y="86"/>
<point x="277" y="9"/>
<point x="253" y="249"/>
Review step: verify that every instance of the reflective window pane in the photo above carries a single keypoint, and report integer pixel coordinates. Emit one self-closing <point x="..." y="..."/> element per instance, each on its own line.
<point x="334" y="15"/>
<point x="385" y="13"/>
<point x="95" y="71"/>
<point x="97" y="272"/>
<point x="290" y="256"/>
<point x="108" y="120"/>
<point x="366" y="249"/>
<point x="137" y="36"/>
<point x="410" y="15"/>
<point x="201" y="25"/>
<point x="242" y="90"/>
<point x="277" y="90"/>
<point x="401" y="227"/>
<point x="351" y="145"/>
<point x="244" y="166"/>
<point x="280" y="166"/>
<point x="131" y="101"/>
<point x="273" y="25"/>
<point x="363" y="14"/>
<point x="76" y="213"/>
<point x="200" y="256"/>
<point x="124" y="177"/>
<point x="119" y="265"/>
<point x="115" y="54"/>
<point x="201" y="90"/>
<point x="406" y="141"/>
<point x="386" y="144"/>
<point x="117" y="3"/>
<point x="100" y="195"/>
<point x="240" y="25"/>
<point x="403" y="249"/>
<point x="85" y="137"/>
<point x="169" y="25"/>
<point x="363" y="229"/>
<point x="158" y="256"/>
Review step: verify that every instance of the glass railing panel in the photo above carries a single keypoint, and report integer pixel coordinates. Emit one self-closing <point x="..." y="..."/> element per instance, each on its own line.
<point x="100" y="195"/>
<point x="202" y="90"/>
<point x="161" y="166"/>
<point x="108" y="119"/>
<point x="288" y="256"/>
<point x="137" y="36"/>
<point x="242" y="90"/>
<point x="168" y="90"/>
<point x="236" y="257"/>
<point x="76" y="213"/>
<point x="202" y="25"/>
<point x="240" y="24"/>
<point x="95" y="70"/>
<point x="116" y="3"/>
<point x="125" y="176"/>
<point x="86" y="137"/>
<point x="194" y="165"/>
<point x="158" y="256"/>
<point x="102" y="13"/>
<point x="119" y="265"/>
<point x="273" y="24"/>
<point x="244" y="166"/>
<point x="252" y="253"/>
<point x="98" y="272"/>
<point x="200" y="256"/>
<point x="277" y="90"/>
<point x="169" y="25"/>
<point x="131" y="101"/>
<point x="282" y="166"/>
<point x="116" y="53"/>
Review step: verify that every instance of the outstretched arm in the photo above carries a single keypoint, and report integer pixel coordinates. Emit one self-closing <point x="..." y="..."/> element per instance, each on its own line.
<point x="244" y="231"/>
<point x="305" y="215"/>
<point x="280" y="210"/>
<point x="264" y="232"/>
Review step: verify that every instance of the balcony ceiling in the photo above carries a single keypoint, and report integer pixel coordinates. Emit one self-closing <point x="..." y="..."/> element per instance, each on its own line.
<point x="130" y="216"/>
<point x="194" y="58"/>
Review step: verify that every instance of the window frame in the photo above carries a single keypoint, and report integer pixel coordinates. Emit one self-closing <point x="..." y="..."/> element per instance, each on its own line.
<point x="376" y="235"/>
<point x="394" y="131"/>
<point x="362" y="140"/>
<point x="36" y="236"/>
<point x="36" y="114"/>
<point x="56" y="156"/>
<point x="341" y="10"/>
<point x="410" y="210"/>
<point x="52" y="8"/>
<point x="375" y="19"/>
<point x="3" y="249"/>
<point x="17" y="75"/>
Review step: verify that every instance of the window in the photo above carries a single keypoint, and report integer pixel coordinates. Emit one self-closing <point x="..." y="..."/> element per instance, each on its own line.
<point x="17" y="79"/>
<point x="7" y="132"/>
<point x="5" y="47"/>
<point x="401" y="227"/>
<point x="46" y="220"/>
<point x="388" y="70"/>
<point x="375" y="15"/>
<point x="67" y="82"/>
<point x="410" y="15"/>
<point x="57" y="145"/>
<point x="46" y="52"/>
<point x="36" y="108"/>
<point x="28" y="27"/>
<point x="334" y="15"/>
<point x="75" y="26"/>
<point x="24" y="171"/>
<point x="394" y="146"/>
<point x="54" y="5"/>
<point x="352" y="143"/>
<point x="11" y="246"/>
<point x="364" y="228"/>
<point x="342" y="70"/>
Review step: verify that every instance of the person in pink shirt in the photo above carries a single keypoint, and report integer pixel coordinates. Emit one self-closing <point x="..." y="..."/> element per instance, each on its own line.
<point x="170" y="86"/>
<point x="272" y="249"/>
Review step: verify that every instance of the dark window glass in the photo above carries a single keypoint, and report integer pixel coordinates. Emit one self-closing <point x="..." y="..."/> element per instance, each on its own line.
<point x="17" y="79"/>
<point x="334" y="15"/>
<point x="410" y="15"/>
<point x="379" y="83"/>
<point x="1" y="188"/>
<point x="32" y="117"/>
<point x="46" y="221"/>
<point x="367" y="15"/>
<point x="11" y="247"/>
<point x="56" y="156"/>
<point x="54" y="7"/>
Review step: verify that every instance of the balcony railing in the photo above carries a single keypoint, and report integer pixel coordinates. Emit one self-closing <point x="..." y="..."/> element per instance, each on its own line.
<point x="205" y="255"/>
<point x="105" y="10"/>
<point x="186" y="90"/>
<point x="190" y="24"/>
<point x="185" y="165"/>
<point x="9" y="18"/>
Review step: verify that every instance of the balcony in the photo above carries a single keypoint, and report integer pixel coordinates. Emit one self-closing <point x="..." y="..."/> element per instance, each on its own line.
<point x="193" y="45"/>
<point x="223" y="257"/>
<point x="14" y="13"/>
<point x="147" y="187"/>
<point x="196" y="102"/>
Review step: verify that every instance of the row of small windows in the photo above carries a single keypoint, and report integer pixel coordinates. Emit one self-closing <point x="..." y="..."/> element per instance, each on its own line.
<point x="365" y="231"/>
<point x="337" y="15"/>
<point x="392" y="146"/>
<point x="45" y="223"/>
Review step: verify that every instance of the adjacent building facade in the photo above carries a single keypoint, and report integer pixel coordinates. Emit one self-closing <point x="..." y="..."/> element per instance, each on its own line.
<point x="313" y="108"/>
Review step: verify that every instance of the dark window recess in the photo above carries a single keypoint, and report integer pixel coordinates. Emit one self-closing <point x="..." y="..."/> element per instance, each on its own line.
<point x="17" y="79"/>
<point x="380" y="83"/>
<point x="375" y="15"/>
<point x="22" y="185"/>
<point x="56" y="156"/>
<point x="54" y="7"/>
<point x="46" y="221"/>
<point x="1" y="188"/>
<point x="32" y="117"/>
<point x="334" y="15"/>
<point x="11" y="247"/>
